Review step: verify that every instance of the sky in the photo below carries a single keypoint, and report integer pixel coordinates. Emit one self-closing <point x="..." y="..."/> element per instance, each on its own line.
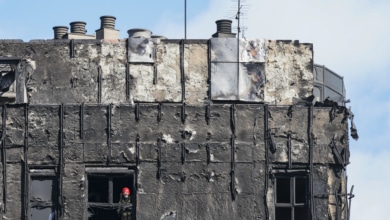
<point x="350" y="37"/>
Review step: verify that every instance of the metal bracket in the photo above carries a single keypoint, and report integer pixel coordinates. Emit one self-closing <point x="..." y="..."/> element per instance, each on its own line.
<point x="159" y="158"/>
<point x="183" y="87"/>
<point x="109" y="128"/>
<point x="25" y="158"/>
<point x="127" y="81"/>
<point x="137" y="112"/>
<point x="208" y="116"/>
<point x="71" y="48"/>
<point x="289" y="149"/>
<point x="82" y="121"/>
<point x="233" y="119"/>
<point x="183" y="153"/>
<point x="159" y="112"/>
<point x="61" y="160"/>
<point x="155" y="74"/>
<point x="271" y="140"/>
<point x="233" y="169"/>
<point x="336" y="152"/>
<point x="208" y="153"/>
<point x="350" y="196"/>
<point x="267" y="173"/>
<point x="183" y="112"/>
<point x="290" y="111"/>
<point x="99" y="79"/>
<point x="137" y="150"/>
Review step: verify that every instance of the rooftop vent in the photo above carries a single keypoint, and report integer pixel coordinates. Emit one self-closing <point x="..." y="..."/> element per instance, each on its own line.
<point x="107" y="28"/>
<point x="60" y="31"/>
<point x="139" y="32"/>
<point x="107" y="21"/>
<point x="224" y="29"/>
<point x="78" y="27"/>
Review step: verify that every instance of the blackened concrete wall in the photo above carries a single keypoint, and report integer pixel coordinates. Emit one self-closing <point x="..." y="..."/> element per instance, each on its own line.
<point x="194" y="179"/>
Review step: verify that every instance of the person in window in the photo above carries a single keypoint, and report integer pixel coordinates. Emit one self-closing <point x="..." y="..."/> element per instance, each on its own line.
<point x="124" y="211"/>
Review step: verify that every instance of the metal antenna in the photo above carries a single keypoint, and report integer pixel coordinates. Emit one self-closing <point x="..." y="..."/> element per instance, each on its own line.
<point x="238" y="17"/>
<point x="239" y="11"/>
<point x="185" y="19"/>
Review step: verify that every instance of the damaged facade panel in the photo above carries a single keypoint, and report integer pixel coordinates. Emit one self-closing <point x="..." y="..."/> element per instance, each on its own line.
<point x="196" y="73"/>
<point x="289" y="75"/>
<point x="288" y="127"/>
<point x="237" y="69"/>
<point x="164" y="86"/>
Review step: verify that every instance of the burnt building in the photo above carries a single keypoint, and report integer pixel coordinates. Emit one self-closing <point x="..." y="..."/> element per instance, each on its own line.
<point x="221" y="128"/>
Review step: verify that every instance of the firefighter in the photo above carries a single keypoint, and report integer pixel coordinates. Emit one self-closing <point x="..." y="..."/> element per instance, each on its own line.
<point x="124" y="211"/>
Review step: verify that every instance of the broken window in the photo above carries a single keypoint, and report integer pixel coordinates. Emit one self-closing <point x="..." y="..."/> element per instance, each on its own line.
<point x="104" y="192"/>
<point x="42" y="194"/>
<point x="7" y="79"/>
<point x="291" y="198"/>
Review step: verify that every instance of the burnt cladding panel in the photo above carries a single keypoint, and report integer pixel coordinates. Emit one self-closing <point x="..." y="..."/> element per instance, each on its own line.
<point x="170" y="125"/>
<point x="95" y="124"/>
<point x="44" y="130"/>
<point x="220" y="123"/>
<point x="15" y="131"/>
<point x="147" y="123"/>
<point x="195" y="128"/>
<point x="72" y="124"/>
<point x="124" y="124"/>
<point x="15" y="126"/>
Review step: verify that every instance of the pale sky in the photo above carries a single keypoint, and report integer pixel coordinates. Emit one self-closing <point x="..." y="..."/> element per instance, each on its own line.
<point x="351" y="37"/>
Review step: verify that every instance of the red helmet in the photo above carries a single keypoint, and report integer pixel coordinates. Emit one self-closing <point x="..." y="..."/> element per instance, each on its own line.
<point x="126" y="190"/>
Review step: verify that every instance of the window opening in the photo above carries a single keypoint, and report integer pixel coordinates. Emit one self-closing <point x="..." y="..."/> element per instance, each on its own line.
<point x="291" y="198"/>
<point x="42" y="194"/>
<point x="7" y="82"/>
<point x="105" y="193"/>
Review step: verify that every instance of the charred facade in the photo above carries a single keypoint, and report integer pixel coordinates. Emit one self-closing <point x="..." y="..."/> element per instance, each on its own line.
<point x="197" y="129"/>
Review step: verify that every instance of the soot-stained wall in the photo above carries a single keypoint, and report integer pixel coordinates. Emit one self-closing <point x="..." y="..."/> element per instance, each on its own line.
<point x="215" y="163"/>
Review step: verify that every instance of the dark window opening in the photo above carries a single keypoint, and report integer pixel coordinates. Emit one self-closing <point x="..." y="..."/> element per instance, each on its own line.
<point x="7" y="81"/>
<point x="104" y="194"/>
<point x="300" y="190"/>
<point x="42" y="195"/>
<point x="283" y="190"/>
<point x="291" y="198"/>
<point x="283" y="213"/>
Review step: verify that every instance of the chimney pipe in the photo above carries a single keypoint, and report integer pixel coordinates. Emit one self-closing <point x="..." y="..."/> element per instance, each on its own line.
<point x="224" y="26"/>
<point x="224" y="29"/>
<point x="139" y="32"/>
<point x="78" y="27"/>
<point x="60" y="31"/>
<point x="107" y="22"/>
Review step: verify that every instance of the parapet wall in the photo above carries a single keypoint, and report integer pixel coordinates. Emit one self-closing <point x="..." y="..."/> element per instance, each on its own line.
<point x="154" y="70"/>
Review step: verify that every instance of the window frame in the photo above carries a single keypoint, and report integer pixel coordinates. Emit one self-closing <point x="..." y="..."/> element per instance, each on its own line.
<point x="108" y="173"/>
<point x="47" y="173"/>
<point x="292" y="204"/>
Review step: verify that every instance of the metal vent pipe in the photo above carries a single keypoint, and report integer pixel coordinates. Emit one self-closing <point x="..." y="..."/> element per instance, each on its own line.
<point x="107" y="22"/>
<point x="78" y="27"/>
<point x="224" y="26"/>
<point x="139" y="32"/>
<point x="60" y="31"/>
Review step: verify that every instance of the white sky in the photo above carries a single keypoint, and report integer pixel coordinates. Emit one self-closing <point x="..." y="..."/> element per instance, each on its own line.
<point x="351" y="37"/>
